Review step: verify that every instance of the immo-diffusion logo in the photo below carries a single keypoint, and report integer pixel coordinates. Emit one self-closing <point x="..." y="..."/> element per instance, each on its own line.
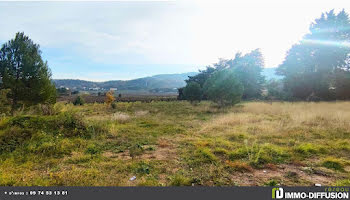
<point x="279" y="193"/>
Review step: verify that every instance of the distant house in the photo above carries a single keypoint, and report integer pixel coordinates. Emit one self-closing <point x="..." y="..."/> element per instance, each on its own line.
<point x="113" y="89"/>
<point x="62" y="87"/>
<point x="94" y="89"/>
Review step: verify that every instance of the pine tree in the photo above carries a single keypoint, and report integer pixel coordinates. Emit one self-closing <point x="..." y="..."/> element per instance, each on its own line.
<point x="312" y="66"/>
<point x="23" y="71"/>
<point x="192" y="92"/>
<point x="224" y="88"/>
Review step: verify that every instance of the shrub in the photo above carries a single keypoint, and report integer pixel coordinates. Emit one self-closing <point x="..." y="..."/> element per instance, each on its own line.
<point x="13" y="137"/>
<point x="109" y="97"/>
<point x="56" y="148"/>
<point x="79" y="101"/>
<point x="192" y="92"/>
<point x="72" y="125"/>
<point x="136" y="150"/>
<point x="223" y="88"/>
<point x="5" y="104"/>
<point x="66" y="124"/>
<point x="92" y="150"/>
<point x="114" y="106"/>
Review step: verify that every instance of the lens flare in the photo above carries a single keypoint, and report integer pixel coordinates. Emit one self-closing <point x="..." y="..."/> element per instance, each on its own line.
<point x="327" y="42"/>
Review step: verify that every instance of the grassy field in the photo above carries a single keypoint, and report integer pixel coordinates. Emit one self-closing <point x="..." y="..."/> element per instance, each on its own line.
<point x="176" y="143"/>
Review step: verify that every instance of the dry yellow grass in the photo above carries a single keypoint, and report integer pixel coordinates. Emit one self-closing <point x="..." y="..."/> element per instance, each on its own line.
<point x="336" y="114"/>
<point x="120" y="117"/>
<point x="297" y="134"/>
<point x="282" y="115"/>
<point x="176" y="143"/>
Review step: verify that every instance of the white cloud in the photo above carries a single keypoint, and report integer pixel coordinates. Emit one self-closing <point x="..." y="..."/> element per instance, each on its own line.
<point x="177" y="32"/>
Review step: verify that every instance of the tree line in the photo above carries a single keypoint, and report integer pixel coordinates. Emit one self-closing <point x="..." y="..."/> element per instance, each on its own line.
<point x="316" y="68"/>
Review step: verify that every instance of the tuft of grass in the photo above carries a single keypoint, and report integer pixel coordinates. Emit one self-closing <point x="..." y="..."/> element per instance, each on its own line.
<point x="92" y="149"/>
<point x="271" y="183"/>
<point x="121" y="117"/>
<point x="259" y="155"/>
<point x="136" y="150"/>
<point x="204" y="155"/>
<point x="142" y="168"/>
<point x="220" y="151"/>
<point x="180" y="180"/>
<point x="238" y="166"/>
<point x="308" y="149"/>
<point x="292" y="176"/>
<point x="333" y="163"/>
<point x="344" y="182"/>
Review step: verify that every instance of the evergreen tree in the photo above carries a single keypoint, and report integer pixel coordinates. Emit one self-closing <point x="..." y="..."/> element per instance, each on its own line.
<point x="248" y="69"/>
<point x="312" y="66"/>
<point x="224" y="88"/>
<point x="79" y="101"/>
<point x="192" y="92"/>
<point x="202" y="76"/>
<point x="23" y="71"/>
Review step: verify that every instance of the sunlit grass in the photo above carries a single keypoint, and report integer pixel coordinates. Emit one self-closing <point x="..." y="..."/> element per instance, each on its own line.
<point x="176" y="143"/>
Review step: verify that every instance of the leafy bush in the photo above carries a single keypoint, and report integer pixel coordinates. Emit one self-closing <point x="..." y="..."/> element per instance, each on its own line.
<point x="136" y="150"/>
<point x="92" y="150"/>
<point x="5" y="104"/>
<point x="79" y="101"/>
<point x="52" y="147"/>
<point x="109" y="97"/>
<point x="66" y="124"/>
<point x="43" y="134"/>
<point x="114" y="106"/>
<point x="223" y="88"/>
<point x="13" y="137"/>
<point x="192" y="92"/>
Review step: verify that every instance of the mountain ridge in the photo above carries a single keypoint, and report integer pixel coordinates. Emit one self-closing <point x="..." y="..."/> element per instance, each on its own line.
<point x="146" y="83"/>
<point x="149" y="83"/>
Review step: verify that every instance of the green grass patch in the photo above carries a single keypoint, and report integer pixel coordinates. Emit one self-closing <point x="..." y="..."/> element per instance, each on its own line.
<point x="333" y="163"/>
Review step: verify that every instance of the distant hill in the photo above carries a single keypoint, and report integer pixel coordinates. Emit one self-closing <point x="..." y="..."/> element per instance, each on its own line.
<point x="162" y="82"/>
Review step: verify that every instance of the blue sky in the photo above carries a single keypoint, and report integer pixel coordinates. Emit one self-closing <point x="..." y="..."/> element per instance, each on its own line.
<point x="125" y="40"/>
